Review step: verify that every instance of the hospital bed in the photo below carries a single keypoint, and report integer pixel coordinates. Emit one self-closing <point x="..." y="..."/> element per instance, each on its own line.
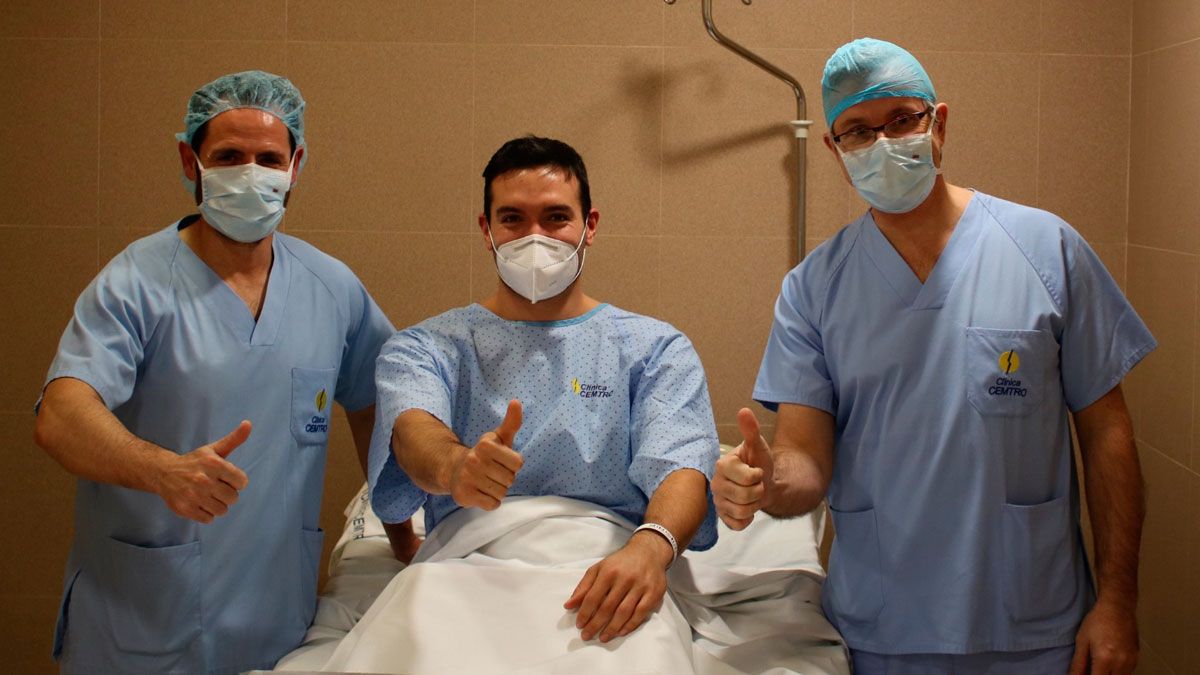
<point x="750" y="605"/>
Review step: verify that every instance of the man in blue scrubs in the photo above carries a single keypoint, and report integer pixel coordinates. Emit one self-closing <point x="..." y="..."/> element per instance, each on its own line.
<point x="192" y="395"/>
<point x="925" y="363"/>
<point x="542" y="390"/>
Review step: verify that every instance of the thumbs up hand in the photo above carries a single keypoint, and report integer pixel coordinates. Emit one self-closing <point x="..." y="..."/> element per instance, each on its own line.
<point x="743" y="477"/>
<point x="482" y="475"/>
<point x="203" y="483"/>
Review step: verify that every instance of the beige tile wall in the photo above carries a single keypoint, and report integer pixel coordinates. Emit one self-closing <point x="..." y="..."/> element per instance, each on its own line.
<point x="688" y="147"/>
<point x="1163" y="272"/>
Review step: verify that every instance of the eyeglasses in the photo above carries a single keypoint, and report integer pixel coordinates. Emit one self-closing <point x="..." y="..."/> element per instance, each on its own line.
<point x="863" y="136"/>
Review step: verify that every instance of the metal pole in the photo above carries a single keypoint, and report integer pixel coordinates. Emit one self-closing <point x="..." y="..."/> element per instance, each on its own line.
<point x="799" y="125"/>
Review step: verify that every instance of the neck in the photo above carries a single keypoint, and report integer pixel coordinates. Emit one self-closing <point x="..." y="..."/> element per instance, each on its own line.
<point x="921" y="235"/>
<point x="937" y="214"/>
<point x="507" y="304"/>
<point x="228" y="258"/>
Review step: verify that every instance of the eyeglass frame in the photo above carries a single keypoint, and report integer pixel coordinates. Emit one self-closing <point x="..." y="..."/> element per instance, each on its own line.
<point x="875" y="130"/>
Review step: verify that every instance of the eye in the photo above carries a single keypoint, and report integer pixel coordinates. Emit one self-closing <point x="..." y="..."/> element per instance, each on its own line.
<point x="856" y="132"/>
<point x="904" y="123"/>
<point x="860" y="135"/>
<point x="225" y="157"/>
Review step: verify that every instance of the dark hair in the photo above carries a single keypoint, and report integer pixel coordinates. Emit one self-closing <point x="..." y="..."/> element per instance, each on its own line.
<point x="532" y="151"/>
<point x="202" y="132"/>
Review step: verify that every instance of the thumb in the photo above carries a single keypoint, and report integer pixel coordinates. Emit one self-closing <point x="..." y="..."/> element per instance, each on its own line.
<point x="508" y="429"/>
<point x="754" y="450"/>
<point x="231" y="441"/>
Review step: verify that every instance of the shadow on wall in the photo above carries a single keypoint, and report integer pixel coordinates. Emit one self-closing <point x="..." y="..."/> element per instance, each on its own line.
<point x="648" y="88"/>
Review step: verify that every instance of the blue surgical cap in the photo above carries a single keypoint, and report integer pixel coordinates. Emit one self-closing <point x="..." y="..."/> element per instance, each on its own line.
<point x="248" y="89"/>
<point x="867" y="69"/>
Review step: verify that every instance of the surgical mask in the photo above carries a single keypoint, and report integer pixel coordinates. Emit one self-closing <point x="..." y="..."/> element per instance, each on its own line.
<point x="537" y="267"/>
<point x="244" y="202"/>
<point x="894" y="175"/>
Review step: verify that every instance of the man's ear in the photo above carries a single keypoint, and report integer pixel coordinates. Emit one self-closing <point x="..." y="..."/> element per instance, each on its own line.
<point x="296" y="161"/>
<point x="942" y="112"/>
<point x="487" y="238"/>
<point x="589" y="227"/>
<point x="188" y="159"/>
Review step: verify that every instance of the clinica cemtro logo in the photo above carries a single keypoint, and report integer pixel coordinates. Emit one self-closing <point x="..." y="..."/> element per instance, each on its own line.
<point x="319" y="423"/>
<point x="584" y="390"/>
<point x="1005" y="385"/>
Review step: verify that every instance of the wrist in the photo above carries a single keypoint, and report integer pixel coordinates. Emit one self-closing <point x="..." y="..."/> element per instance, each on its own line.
<point x="1120" y="601"/>
<point x="152" y="475"/>
<point x="667" y="548"/>
<point x="449" y="468"/>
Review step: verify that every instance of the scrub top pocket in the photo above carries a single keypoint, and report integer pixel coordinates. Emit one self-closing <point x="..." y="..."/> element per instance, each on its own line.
<point x="151" y="596"/>
<point x="1039" y="575"/>
<point x="855" y="585"/>
<point x="312" y="404"/>
<point x="1008" y="371"/>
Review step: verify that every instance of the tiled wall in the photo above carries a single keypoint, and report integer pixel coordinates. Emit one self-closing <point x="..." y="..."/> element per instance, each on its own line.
<point x="1164" y="262"/>
<point x="688" y="148"/>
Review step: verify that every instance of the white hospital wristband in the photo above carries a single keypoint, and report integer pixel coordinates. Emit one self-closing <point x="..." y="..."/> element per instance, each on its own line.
<point x="666" y="535"/>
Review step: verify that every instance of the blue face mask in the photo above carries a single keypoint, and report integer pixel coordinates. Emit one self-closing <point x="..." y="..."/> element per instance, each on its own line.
<point x="894" y="175"/>
<point x="244" y="202"/>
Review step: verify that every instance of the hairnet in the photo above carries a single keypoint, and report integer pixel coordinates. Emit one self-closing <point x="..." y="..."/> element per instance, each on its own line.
<point x="248" y="89"/>
<point x="867" y="69"/>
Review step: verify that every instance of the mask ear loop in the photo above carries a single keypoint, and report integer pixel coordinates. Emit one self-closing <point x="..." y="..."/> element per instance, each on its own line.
<point x="495" y="249"/>
<point x="580" y="253"/>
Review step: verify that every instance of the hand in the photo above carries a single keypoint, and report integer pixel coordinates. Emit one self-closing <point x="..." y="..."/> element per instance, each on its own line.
<point x="1107" y="641"/>
<point x="203" y="484"/>
<point x="617" y="594"/>
<point x="482" y="475"/>
<point x="403" y="540"/>
<point x="741" y="482"/>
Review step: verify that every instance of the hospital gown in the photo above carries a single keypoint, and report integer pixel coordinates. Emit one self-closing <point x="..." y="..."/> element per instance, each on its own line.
<point x="613" y="403"/>
<point x="180" y="360"/>
<point x="954" y="495"/>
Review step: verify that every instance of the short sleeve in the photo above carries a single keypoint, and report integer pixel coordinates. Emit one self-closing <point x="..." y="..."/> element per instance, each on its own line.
<point x="793" y="368"/>
<point x="1103" y="338"/>
<point x="409" y="375"/>
<point x="104" y="342"/>
<point x="369" y="329"/>
<point x="672" y="425"/>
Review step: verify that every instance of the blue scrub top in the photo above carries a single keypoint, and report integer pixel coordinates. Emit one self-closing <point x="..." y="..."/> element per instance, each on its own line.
<point x="180" y="360"/>
<point x="613" y="402"/>
<point x="953" y="494"/>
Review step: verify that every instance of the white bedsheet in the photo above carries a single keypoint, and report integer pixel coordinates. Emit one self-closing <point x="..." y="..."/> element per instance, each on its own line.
<point x="486" y="594"/>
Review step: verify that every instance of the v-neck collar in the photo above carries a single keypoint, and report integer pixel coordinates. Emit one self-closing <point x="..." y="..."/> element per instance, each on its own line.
<point x="932" y="294"/>
<point x="229" y="308"/>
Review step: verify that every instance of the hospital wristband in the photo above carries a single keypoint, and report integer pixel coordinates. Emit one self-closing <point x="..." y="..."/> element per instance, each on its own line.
<point x="655" y="527"/>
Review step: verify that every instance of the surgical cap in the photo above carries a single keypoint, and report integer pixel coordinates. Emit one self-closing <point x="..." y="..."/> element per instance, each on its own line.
<point x="248" y="89"/>
<point x="867" y="69"/>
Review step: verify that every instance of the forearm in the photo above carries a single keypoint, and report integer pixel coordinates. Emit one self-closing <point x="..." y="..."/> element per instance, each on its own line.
<point x="1116" y="504"/>
<point x="798" y="484"/>
<point x="1115" y="496"/>
<point x="679" y="504"/>
<point x="80" y="433"/>
<point x="362" y="423"/>
<point x="426" y="450"/>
